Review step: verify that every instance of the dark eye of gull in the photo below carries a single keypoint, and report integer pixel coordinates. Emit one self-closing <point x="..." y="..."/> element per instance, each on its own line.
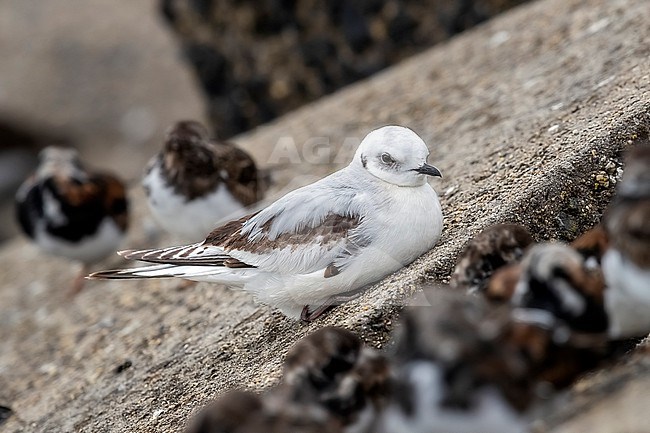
<point x="387" y="159"/>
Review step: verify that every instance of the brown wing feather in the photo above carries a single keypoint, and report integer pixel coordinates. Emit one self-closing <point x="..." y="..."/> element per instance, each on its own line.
<point x="229" y="234"/>
<point x="243" y="177"/>
<point x="115" y="200"/>
<point x="628" y="227"/>
<point x="592" y="243"/>
<point x="228" y="237"/>
<point x="99" y="187"/>
<point x="333" y="228"/>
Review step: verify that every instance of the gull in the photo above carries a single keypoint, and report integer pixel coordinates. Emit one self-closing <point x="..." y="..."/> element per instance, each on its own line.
<point x="323" y="242"/>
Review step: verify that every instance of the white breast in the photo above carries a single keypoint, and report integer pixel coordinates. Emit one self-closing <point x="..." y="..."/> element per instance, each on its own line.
<point x="490" y="413"/>
<point x="90" y="249"/>
<point x="407" y="224"/>
<point x="414" y="225"/>
<point x="191" y="220"/>
<point x="627" y="297"/>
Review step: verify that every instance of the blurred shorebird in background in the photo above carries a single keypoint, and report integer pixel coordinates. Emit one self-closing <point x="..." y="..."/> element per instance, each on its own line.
<point x="497" y="246"/>
<point x="69" y="211"/>
<point x="194" y="182"/>
<point x="626" y="262"/>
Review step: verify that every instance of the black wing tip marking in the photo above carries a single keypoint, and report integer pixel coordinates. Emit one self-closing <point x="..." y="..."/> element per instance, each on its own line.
<point x="113" y="274"/>
<point x="178" y="256"/>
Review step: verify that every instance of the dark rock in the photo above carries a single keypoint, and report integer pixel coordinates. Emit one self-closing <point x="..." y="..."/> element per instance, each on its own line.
<point x="355" y="27"/>
<point x="201" y="7"/>
<point x="211" y="67"/>
<point x="304" y="49"/>
<point x="5" y="413"/>
<point x="401" y="27"/>
<point x="123" y="366"/>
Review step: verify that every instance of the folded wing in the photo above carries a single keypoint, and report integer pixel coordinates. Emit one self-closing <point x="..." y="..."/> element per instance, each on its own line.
<point x="280" y="239"/>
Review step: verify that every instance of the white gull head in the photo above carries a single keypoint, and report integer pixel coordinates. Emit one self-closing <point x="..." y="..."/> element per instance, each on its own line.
<point x="396" y="155"/>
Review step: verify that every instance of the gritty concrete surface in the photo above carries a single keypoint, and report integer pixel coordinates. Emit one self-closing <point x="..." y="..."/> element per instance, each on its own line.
<point x="611" y="399"/>
<point x="526" y="116"/>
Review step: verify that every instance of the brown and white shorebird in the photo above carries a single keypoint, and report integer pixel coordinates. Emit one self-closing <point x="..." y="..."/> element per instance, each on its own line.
<point x="331" y="368"/>
<point x="319" y="243"/>
<point x="246" y="412"/>
<point x="553" y="353"/>
<point x="592" y="245"/>
<point x="195" y="181"/>
<point x="560" y="315"/>
<point x="456" y="368"/>
<point x="626" y="262"/>
<point x="497" y="246"/>
<point x="228" y="413"/>
<point x="73" y="212"/>
<point x="600" y="283"/>
<point x="554" y="284"/>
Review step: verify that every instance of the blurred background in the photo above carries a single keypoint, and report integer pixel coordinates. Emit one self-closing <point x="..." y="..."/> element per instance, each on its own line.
<point x="108" y="76"/>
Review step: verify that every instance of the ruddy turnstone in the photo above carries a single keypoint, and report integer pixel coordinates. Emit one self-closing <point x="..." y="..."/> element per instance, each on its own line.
<point x="454" y="371"/>
<point x="245" y="412"/>
<point x="559" y="317"/>
<point x="69" y="211"/>
<point x="322" y="241"/>
<point x="496" y="246"/>
<point x="225" y="414"/>
<point x="626" y="262"/>
<point x="195" y="182"/>
<point x="556" y="284"/>
<point x="552" y="352"/>
<point x="331" y="368"/>
<point x="592" y="245"/>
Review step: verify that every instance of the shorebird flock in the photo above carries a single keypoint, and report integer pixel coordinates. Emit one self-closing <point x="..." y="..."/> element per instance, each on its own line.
<point x="518" y="317"/>
<point x="519" y="320"/>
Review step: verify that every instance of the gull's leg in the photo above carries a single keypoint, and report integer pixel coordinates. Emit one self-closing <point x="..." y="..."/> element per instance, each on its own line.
<point x="309" y="316"/>
<point x="186" y="284"/>
<point x="78" y="282"/>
